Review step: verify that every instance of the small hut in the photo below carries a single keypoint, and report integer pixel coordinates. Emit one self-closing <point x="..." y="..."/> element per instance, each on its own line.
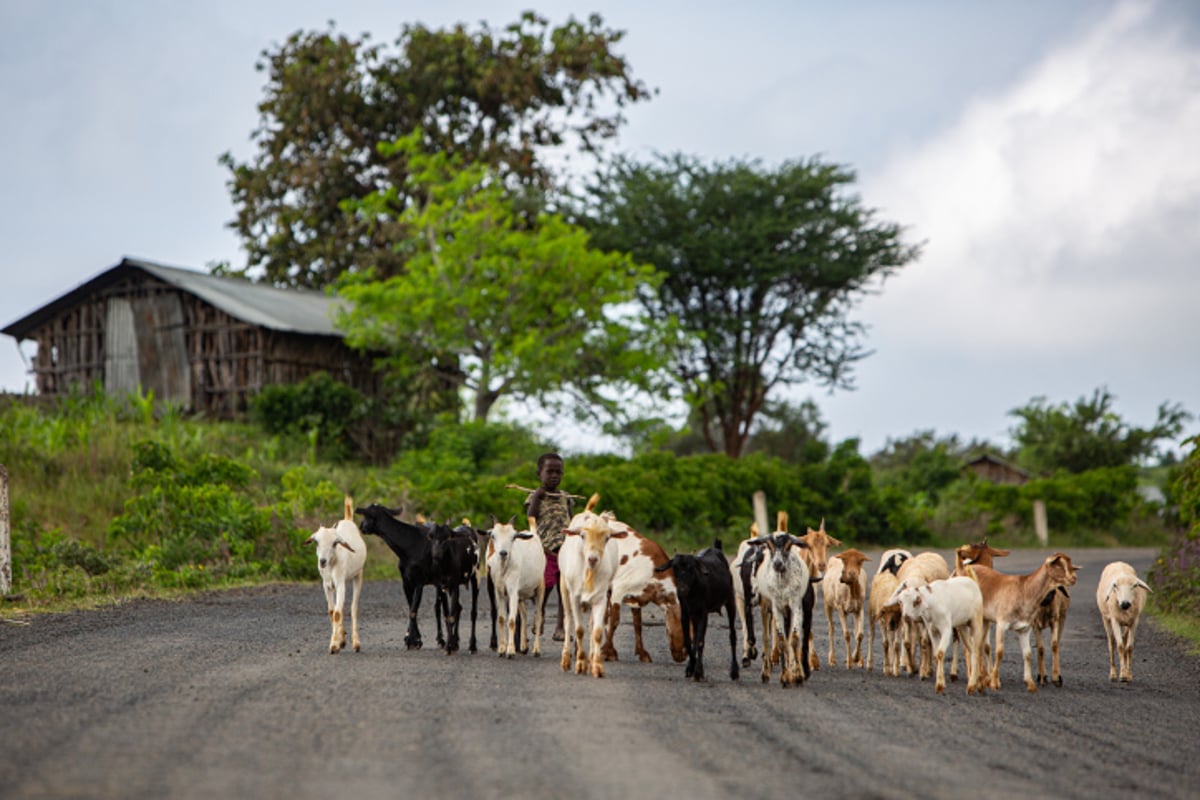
<point x="203" y="342"/>
<point x="997" y="470"/>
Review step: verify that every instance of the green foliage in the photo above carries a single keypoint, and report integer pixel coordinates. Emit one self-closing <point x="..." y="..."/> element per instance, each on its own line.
<point x="1096" y="508"/>
<point x="683" y="502"/>
<point x="183" y="504"/>
<point x="318" y="407"/>
<point x="504" y="97"/>
<point x="187" y="513"/>
<point x="1088" y="435"/>
<point x="523" y="310"/>
<point x="763" y="267"/>
<point x="921" y="466"/>
<point x="792" y="433"/>
<point x="1175" y="576"/>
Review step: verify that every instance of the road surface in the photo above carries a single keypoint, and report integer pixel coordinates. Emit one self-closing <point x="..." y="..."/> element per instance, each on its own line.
<point x="233" y="694"/>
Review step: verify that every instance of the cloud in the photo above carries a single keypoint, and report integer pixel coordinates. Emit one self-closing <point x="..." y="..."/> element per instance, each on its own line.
<point x="1059" y="212"/>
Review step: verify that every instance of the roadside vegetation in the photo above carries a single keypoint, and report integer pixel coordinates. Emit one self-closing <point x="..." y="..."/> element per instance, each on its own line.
<point x="115" y="499"/>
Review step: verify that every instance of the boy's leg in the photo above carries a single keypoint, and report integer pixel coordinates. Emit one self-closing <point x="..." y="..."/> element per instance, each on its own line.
<point x="559" y="633"/>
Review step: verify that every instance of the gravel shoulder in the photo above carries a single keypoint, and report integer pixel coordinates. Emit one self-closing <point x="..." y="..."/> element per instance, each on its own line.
<point x="233" y="694"/>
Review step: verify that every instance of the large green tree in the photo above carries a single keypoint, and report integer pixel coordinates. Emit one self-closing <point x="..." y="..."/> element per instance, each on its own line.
<point x="524" y="311"/>
<point x="763" y="267"/>
<point x="502" y="97"/>
<point x="1088" y="434"/>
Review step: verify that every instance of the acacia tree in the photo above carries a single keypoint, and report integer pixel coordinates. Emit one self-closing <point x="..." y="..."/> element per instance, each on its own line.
<point x="499" y="97"/>
<point x="762" y="269"/>
<point x="524" y="311"/>
<point x="1089" y="434"/>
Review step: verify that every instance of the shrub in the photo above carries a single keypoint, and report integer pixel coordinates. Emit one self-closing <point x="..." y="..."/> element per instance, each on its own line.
<point x="318" y="406"/>
<point x="1175" y="576"/>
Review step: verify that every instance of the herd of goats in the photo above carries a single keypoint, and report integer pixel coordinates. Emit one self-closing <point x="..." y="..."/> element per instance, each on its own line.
<point x="919" y="603"/>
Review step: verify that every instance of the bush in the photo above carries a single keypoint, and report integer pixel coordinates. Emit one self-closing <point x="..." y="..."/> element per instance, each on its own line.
<point x="1175" y="576"/>
<point x="318" y="407"/>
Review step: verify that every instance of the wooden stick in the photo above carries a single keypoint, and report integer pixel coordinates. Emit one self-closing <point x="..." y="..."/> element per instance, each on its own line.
<point x="530" y="491"/>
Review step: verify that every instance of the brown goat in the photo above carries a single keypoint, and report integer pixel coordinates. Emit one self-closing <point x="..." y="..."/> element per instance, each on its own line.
<point x="845" y="590"/>
<point x="1013" y="601"/>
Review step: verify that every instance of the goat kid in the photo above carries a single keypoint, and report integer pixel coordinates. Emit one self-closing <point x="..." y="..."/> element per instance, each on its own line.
<point x="704" y="585"/>
<point x="949" y="607"/>
<point x="341" y="555"/>
<point x="454" y="560"/>
<point x="844" y="588"/>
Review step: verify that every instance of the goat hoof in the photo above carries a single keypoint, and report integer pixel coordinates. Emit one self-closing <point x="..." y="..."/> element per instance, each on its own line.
<point x="1058" y="682"/>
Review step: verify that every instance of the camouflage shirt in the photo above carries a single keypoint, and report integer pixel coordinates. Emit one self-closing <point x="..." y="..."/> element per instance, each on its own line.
<point x="555" y="514"/>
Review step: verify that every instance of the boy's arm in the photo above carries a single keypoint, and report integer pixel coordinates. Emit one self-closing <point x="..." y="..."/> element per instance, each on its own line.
<point x="533" y="504"/>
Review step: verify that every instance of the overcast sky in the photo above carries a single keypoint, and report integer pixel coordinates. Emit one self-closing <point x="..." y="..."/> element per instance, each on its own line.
<point x="1045" y="153"/>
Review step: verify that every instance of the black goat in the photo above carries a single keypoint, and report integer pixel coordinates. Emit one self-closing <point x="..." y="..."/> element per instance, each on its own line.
<point x="414" y="553"/>
<point x="704" y="585"/>
<point x="455" y="558"/>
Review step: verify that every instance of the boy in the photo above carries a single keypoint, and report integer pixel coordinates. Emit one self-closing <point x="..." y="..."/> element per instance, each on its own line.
<point x="552" y="508"/>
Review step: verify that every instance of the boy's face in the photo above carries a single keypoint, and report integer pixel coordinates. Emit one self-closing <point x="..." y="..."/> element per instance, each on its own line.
<point x="551" y="473"/>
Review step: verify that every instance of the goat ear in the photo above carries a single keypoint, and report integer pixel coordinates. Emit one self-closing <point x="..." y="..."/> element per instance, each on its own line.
<point x="1111" y="586"/>
<point x="311" y="540"/>
<point x="1143" y="584"/>
<point x="342" y="542"/>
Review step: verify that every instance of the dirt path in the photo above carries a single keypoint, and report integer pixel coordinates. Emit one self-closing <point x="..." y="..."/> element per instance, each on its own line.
<point x="232" y="694"/>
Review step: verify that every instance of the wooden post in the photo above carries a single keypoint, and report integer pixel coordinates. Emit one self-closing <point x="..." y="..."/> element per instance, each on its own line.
<point x="1039" y="522"/>
<point x="5" y="539"/>
<point x="760" y="512"/>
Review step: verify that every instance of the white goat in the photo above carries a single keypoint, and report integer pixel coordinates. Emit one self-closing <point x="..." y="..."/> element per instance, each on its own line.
<point x="516" y="564"/>
<point x="916" y="571"/>
<point x="1120" y="607"/>
<point x="587" y="562"/>
<point x="946" y="607"/>
<point x="783" y="582"/>
<point x="337" y="569"/>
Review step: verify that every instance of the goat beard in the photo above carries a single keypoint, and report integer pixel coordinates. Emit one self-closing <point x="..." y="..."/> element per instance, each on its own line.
<point x="589" y="578"/>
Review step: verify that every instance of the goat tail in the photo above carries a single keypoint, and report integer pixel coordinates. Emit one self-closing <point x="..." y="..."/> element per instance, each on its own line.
<point x="592" y="501"/>
<point x="349" y="508"/>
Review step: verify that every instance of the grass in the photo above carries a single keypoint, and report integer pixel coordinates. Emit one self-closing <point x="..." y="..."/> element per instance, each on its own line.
<point x="1182" y="626"/>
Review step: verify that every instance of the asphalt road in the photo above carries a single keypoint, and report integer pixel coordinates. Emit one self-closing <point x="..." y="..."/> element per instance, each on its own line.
<point x="233" y="694"/>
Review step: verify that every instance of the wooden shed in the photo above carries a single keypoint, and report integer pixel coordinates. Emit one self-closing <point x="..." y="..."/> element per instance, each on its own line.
<point x="996" y="470"/>
<point x="204" y="342"/>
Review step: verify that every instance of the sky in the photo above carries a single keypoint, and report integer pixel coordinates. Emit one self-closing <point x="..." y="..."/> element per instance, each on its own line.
<point x="1045" y="155"/>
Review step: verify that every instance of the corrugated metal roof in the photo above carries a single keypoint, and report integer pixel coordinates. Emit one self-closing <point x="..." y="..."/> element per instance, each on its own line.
<point x="289" y="310"/>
